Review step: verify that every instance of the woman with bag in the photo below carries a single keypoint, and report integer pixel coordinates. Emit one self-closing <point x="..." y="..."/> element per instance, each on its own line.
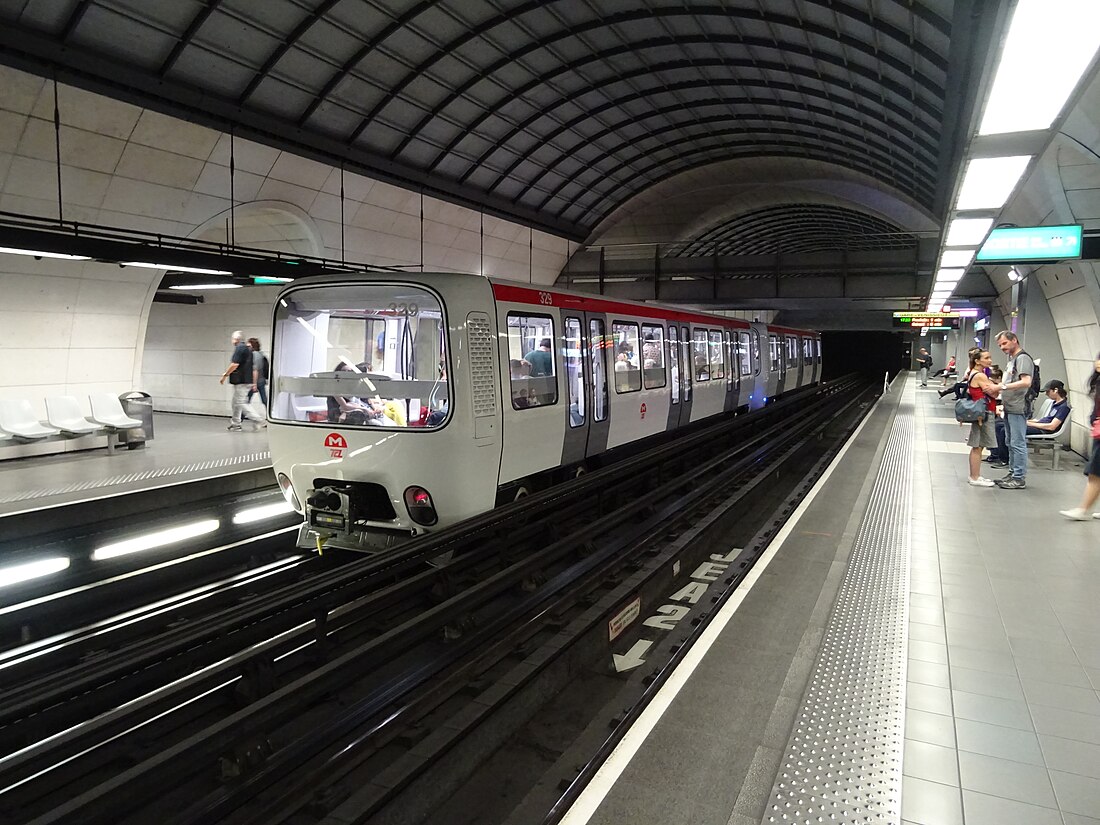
<point x="1092" y="486"/>
<point x="982" y="434"/>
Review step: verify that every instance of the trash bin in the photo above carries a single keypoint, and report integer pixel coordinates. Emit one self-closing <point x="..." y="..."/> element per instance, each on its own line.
<point x="137" y="405"/>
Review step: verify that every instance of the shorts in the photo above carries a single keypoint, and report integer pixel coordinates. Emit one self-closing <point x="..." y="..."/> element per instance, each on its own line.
<point x="1093" y="468"/>
<point x="982" y="433"/>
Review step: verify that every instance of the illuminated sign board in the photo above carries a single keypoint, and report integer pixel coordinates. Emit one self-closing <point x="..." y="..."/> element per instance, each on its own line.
<point x="927" y="320"/>
<point x="1032" y="243"/>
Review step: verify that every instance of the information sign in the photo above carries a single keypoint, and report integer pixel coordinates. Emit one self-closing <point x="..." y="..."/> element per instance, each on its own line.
<point x="927" y="320"/>
<point x="1019" y="244"/>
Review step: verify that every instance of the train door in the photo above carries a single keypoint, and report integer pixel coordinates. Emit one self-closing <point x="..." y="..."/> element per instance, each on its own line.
<point x="578" y="389"/>
<point x="596" y="345"/>
<point x="674" y="370"/>
<point x="686" y="380"/>
<point x="742" y="363"/>
<point x="758" y="336"/>
<point x="776" y="367"/>
<point x="794" y="361"/>
<point x="731" y="372"/>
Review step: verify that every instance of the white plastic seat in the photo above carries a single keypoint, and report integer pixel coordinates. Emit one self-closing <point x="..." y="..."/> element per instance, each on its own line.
<point x="18" y="419"/>
<point x="107" y="412"/>
<point x="63" y="412"/>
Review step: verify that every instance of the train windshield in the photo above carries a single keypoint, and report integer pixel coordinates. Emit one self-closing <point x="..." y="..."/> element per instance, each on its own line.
<point x="360" y="355"/>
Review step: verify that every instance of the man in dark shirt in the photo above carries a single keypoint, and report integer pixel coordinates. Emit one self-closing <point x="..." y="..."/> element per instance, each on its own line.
<point x="239" y="373"/>
<point x="1050" y="423"/>
<point x="541" y="361"/>
<point x="924" y="361"/>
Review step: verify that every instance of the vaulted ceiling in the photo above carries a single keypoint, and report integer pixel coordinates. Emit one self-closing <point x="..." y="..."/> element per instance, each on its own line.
<point x="554" y="114"/>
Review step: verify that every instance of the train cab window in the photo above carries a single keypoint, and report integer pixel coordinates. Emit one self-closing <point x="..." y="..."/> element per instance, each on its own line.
<point x="699" y="355"/>
<point x="572" y="353"/>
<point x="598" y="345"/>
<point x="674" y="362"/>
<point x="744" y="352"/>
<point x="775" y="351"/>
<point x="628" y="373"/>
<point x="717" y="359"/>
<point x="653" y="356"/>
<point x="360" y="355"/>
<point x="532" y="373"/>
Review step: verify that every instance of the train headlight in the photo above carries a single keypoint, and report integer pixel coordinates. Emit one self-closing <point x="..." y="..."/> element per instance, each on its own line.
<point x="288" y="492"/>
<point x="418" y="502"/>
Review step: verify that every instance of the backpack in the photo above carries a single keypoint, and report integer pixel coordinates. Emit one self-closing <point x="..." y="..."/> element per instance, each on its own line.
<point x="1036" y="382"/>
<point x="265" y="369"/>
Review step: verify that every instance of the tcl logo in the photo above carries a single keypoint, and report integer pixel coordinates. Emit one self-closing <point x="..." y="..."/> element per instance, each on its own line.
<point x="641" y="412"/>
<point x="336" y="444"/>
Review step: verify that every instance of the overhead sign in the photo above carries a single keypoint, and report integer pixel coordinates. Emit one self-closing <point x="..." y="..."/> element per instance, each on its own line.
<point x="929" y="320"/>
<point x="1019" y="244"/>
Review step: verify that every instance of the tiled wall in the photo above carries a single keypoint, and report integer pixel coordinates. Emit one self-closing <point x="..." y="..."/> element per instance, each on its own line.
<point x="82" y="326"/>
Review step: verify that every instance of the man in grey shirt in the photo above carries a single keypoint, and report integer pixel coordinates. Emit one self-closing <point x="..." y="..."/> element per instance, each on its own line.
<point x="1017" y="380"/>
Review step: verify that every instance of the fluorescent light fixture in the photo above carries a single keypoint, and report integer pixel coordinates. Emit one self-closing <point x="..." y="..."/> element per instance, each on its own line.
<point x="968" y="231"/>
<point x="956" y="258"/>
<point x="16" y="573"/>
<point x="260" y="280"/>
<point x="34" y="253"/>
<point x="945" y="274"/>
<point x="262" y="512"/>
<point x="157" y="539"/>
<point x="1013" y="274"/>
<point x="989" y="181"/>
<point x="191" y="287"/>
<point x="1048" y="48"/>
<point x="193" y="269"/>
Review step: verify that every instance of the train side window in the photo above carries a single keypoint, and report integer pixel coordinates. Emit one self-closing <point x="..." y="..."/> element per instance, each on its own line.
<point x="717" y="361"/>
<point x="699" y="355"/>
<point x="534" y="381"/>
<point x="775" y="352"/>
<point x="674" y="362"/>
<point x="807" y="351"/>
<point x="792" y="351"/>
<point x="653" y="356"/>
<point x="727" y="354"/>
<point x="628" y="373"/>
<point x="745" y="352"/>
<point x="598" y="344"/>
<point x="572" y="353"/>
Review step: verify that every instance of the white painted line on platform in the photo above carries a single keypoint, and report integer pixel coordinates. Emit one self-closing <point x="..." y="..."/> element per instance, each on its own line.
<point x="608" y="774"/>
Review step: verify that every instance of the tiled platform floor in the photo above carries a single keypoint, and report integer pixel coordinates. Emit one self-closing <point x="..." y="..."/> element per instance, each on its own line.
<point x="184" y="448"/>
<point x="1003" y="694"/>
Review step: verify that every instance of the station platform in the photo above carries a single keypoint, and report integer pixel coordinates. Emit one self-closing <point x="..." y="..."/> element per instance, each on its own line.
<point x="909" y="649"/>
<point x="185" y="449"/>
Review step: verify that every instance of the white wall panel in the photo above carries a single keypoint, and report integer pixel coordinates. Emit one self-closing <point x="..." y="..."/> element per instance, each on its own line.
<point x="174" y="135"/>
<point x="11" y="130"/>
<point x="100" y="364"/>
<point x="157" y="166"/>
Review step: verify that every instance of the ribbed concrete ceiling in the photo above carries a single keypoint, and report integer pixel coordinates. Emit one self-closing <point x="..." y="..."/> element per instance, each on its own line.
<point x="550" y="113"/>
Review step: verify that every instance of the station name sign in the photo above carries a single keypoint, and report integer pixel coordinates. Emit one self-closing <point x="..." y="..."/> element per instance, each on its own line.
<point x="1019" y="244"/>
<point x="930" y="320"/>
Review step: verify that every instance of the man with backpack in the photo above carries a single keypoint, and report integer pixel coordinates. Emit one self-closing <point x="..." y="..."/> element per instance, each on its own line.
<point x="924" y="360"/>
<point x="1014" y="391"/>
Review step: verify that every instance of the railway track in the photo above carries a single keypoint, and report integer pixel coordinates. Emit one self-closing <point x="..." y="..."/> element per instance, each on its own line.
<point x="286" y="694"/>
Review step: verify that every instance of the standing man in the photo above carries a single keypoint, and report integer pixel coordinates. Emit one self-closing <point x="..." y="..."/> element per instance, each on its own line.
<point x="925" y="361"/>
<point x="239" y="373"/>
<point x="541" y="361"/>
<point x="1017" y="379"/>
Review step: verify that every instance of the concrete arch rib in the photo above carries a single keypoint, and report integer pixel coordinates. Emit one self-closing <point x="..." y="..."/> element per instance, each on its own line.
<point x="685" y="206"/>
<point x="272" y="225"/>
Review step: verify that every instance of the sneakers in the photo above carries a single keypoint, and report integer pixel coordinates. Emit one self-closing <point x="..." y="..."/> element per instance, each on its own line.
<point x="233" y="427"/>
<point x="1011" y="484"/>
<point x="1076" y="514"/>
<point x="998" y="464"/>
<point x="979" y="482"/>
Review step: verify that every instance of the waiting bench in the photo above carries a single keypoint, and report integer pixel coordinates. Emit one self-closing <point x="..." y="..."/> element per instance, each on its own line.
<point x="64" y="420"/>
<point x="1055" y="441"/>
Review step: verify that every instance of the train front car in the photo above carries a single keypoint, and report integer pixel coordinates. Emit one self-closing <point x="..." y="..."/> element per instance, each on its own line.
<point x="384" y="420"/>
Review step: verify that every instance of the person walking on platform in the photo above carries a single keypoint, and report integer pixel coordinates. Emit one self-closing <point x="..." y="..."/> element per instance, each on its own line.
<point x="925" y="362"/>
<point x="981" y="436"/>
<point x="1092" y="486"/>
<point x="239" y="373"/>
<point x="1017" y="380"/>
<point x="259" y="372"/>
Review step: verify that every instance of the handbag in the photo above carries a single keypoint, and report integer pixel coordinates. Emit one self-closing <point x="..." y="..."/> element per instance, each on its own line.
<point x="968" y="410"/>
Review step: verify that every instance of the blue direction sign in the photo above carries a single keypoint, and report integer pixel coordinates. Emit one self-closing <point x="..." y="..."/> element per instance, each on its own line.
<point x="1032" y="243"/>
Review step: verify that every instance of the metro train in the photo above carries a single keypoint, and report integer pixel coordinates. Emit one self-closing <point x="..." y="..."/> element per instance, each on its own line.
<point x="401" y="404"/>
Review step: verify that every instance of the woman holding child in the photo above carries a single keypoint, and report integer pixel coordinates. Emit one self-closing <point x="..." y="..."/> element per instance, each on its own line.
<point x="982" y="433"/>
